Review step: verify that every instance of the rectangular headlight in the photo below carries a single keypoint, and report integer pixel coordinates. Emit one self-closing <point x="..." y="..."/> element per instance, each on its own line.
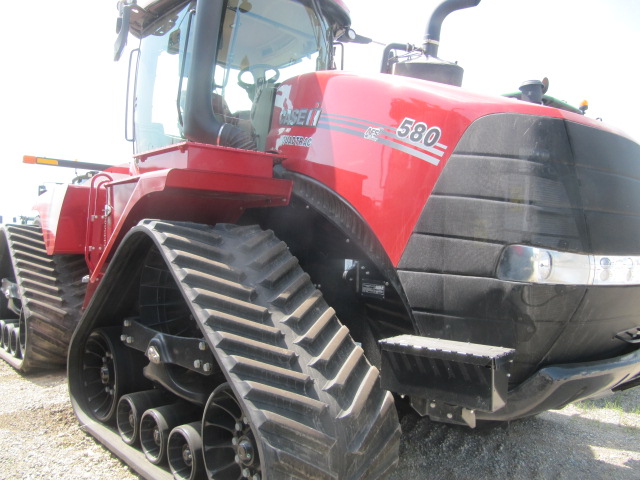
<point x="522" y="263"/>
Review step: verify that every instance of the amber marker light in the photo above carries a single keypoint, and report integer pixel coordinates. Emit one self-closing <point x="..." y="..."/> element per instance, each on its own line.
<point x="39" y="160"/>
<point x="584" y="106"/>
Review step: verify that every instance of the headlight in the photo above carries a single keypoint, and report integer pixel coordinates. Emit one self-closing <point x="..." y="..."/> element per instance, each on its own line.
<point x="521" y="263"/>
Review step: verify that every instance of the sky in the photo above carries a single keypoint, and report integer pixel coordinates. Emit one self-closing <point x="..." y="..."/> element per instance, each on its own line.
<point x="63" y="95"/>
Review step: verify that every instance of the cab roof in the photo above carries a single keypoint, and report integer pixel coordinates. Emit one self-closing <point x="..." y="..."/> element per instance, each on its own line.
<point x="145" y="13"/>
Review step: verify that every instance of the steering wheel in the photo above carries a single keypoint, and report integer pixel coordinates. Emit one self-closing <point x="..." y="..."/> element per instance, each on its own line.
<point x="259" y="75"/>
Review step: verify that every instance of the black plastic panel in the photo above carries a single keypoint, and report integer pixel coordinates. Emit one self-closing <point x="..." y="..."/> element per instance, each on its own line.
<point x="519" y="179"/>
<point x="440" y="254"/>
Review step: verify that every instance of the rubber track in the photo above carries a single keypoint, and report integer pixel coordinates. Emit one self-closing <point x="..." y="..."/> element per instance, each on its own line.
<point x="309" y="390"/>
<point x="52" y="293"/>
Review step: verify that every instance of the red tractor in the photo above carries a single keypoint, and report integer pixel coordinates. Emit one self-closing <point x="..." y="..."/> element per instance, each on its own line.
<point x="293" y="245"/>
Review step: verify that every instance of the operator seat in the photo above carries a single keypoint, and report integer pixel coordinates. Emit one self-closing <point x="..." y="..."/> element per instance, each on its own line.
<point x="241" y="120"/>
<point x="256" y="122"/>
<point x="262" y="112"/>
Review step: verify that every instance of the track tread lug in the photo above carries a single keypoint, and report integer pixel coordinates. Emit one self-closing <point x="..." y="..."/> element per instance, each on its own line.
<point x="317" y="328"/>
<point x="195" y="231"/>
<point x="52" y="295"/>
<point x="269" y="256"/>
<point x="237" y="344"/>
<point x="287" y="298"/>
<point x="186" y="259"/>
<point x="255" y="241"/>
<point x="311" y="304"/>
<point x="220" y="284"/>
<point x="363" y="393"/>
<point x="271" y="397"/>
<point x="209" y="251"/>
<point x="238" y="325"/>
<point x="280" y="273"/>
<point x="339" y="382"/>
<point x="284" y="377"/>
<point x="325" y="357"/>
<point x="214" y="301"/>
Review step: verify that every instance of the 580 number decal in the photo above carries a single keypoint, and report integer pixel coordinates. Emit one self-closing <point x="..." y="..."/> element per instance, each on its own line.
<point x="418" y="132"/>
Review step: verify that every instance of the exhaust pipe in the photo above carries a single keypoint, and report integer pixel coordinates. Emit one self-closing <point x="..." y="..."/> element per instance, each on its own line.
<point x="157" y="423"/>
<point x="130" y="410"/>
<point x="184" y="452"/>
<point x="432" y="34"/>
<point x="433" y="69"/>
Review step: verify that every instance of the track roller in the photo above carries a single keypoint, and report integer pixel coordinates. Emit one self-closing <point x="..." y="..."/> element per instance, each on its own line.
<point x="184" y="452"/>
<point x="131" y="407"/>
<point x="14" y="341"/>
<point x="156" y="425"/>
<point x="4" y="325"/>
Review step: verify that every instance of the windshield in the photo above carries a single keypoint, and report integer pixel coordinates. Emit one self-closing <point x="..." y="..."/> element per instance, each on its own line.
<point x="264" y="42"/>
<point x="260" y="45"/>
<point x="159" y="90"/>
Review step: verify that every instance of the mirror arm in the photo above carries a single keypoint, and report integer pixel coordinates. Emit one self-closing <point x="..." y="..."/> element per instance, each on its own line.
<point x="122" y="28"/>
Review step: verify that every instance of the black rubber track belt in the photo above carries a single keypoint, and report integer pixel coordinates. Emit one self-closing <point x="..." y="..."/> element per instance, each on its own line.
<point x="52" y="292"/>
<point x="312" y="397"/>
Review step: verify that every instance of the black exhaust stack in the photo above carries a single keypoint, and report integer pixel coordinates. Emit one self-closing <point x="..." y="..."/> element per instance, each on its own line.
<point x="436" y="69"/>
<point x="432" y="34"/>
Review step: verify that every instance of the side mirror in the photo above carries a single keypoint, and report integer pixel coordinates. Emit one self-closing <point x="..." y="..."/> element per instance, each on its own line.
<point x="350" y="36"/>
<point x="122" y="28"/>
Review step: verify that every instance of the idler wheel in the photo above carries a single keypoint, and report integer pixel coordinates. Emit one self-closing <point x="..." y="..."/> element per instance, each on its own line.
<point x="106" y="372"/>
<point x="184" y="452"/>
<point x="230" y="446"/>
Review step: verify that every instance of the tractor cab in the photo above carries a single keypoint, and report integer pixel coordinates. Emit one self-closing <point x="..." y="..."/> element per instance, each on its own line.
<point x="207" y="70"/>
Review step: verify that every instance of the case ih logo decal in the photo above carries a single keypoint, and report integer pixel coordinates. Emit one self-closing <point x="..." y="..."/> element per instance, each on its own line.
<point x="413" y="137"/>
<point x="304" y="117"/>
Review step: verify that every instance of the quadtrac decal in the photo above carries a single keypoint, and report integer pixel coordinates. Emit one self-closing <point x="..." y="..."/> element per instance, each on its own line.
<point x="414" y="137"/>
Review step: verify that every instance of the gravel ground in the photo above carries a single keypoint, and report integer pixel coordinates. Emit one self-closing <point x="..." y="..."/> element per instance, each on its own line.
<point x="40" y="438"/>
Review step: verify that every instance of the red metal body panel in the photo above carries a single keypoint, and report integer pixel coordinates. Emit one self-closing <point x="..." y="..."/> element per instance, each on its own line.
<point x="212" y="185"/>
<point x="199" y="156"/>
<point x="63" y="211"/>
<point x="346" y="132"/>
<point x="63" y="216"/>
<point x="187" y="182"/>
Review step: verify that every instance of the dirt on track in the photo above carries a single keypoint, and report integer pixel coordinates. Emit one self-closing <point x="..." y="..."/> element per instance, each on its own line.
<point x="598" y="439"/>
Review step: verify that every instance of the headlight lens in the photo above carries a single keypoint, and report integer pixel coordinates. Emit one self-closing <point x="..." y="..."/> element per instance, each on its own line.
<point x="522" y="263"/>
